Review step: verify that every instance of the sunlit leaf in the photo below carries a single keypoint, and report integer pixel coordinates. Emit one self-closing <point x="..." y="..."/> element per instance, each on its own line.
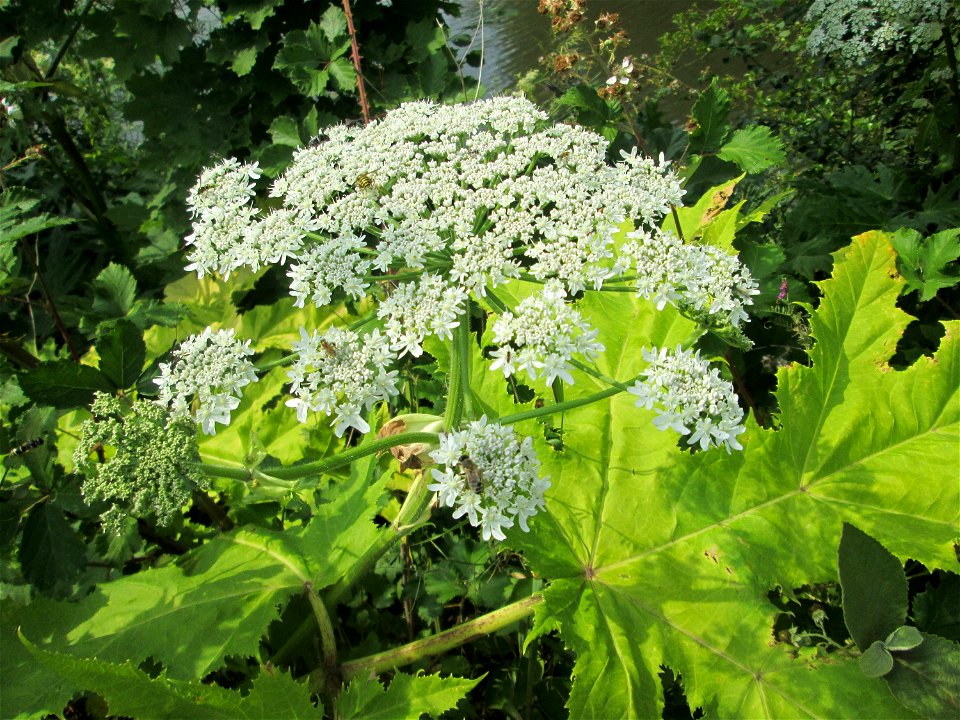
<point x="657" y="557"/>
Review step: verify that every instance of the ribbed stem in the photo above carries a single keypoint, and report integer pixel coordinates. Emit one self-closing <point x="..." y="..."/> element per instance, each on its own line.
<point x="442" y="642"/>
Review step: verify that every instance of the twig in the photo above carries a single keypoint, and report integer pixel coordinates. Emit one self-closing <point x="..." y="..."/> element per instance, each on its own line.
<point x="68" y="42"/>
<point x="35" y="261"/>
<point x="480" y="72"/>
<point x="355" y="53"/>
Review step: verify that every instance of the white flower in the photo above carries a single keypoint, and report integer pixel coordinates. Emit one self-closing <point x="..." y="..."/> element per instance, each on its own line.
<point x="701" y="280"/>
<point x="341" y="373"/>
<point x="416" y="310"/>
<point x="690" y="398"/>
<point x="542" y="336"/>
<point x="207" y="371"/>
<point x="490" y="476"/>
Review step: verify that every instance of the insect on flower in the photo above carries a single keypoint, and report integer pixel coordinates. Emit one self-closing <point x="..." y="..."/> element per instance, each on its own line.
<point x="27" y="446"/>
<point x="364" y="181"/>
<point x="472" y="476"/>
<point x="329" y="348"/>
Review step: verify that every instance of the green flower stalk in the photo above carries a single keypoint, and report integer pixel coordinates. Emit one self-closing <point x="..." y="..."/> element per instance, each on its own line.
<point x="152" y="462"/>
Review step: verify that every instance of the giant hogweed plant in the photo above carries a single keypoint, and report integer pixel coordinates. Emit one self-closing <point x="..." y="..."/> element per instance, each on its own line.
<point x="580" y="426"/>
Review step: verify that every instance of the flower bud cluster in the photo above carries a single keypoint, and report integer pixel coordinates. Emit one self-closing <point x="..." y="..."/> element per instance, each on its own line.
<point x="542" y="336"/>
<point x="490" y="476"/>
<point x="151" y="466"/>
<point x="856" y="29"/>
<point x="690" y="398"/>
<point x="341" y="373"/>
<point x="205" y="377"/>
<point x="701" y="280"/>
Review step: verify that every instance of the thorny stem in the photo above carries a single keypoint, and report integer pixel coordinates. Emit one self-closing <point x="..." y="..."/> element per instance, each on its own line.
<point x="441" y="642"/>
<point x="355" y="54"/>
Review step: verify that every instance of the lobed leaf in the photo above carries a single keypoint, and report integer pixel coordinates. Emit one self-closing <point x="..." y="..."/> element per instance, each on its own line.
<point x="406" y="696"/>
<point x="658" y="557"/>
<point x="131" y="692"/>
<point x="218" y="601"/>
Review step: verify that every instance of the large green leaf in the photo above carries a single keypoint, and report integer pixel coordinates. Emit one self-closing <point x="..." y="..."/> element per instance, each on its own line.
<point x="659" y="557"/>
<point x="133" y="693"/>
<point x="218" y="601"/>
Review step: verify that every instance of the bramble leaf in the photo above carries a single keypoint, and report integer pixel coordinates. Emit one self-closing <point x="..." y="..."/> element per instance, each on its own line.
<point x="638" y="541"/>
<point x="753" y="149"/>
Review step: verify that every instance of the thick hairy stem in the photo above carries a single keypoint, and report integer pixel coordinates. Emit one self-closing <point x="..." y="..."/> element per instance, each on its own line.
<point x="442" y="642"/>
<point x="328" y="643"/>
<point x="412" y="513"/>
<point x="454" y="411"/>
<point x="461" y="340"/>
<point x="561" y="407"/>
<point x="355" y="54"/>
<point x="296" y="472"/>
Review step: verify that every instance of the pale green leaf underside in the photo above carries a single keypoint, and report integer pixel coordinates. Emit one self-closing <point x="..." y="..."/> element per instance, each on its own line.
<point x="661" y="557"/>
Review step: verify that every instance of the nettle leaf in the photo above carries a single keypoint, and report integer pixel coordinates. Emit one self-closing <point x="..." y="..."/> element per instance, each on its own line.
<point x="406" y="696"/>
<point x="217" y="601"/>
<point x="753" y="149"/>
<point x="51" y="553"/>
<point x="659" y="557"/>
<point x="122" y="352"/>
<point x="131" y="692"/>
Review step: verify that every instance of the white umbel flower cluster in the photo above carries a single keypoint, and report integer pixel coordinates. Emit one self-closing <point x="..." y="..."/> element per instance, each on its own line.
<point x="542" y="336"/>
<point x="470" y="193"/>
<point x="490" y="476"/>
<point x="702" y="280"/>
<point x="205" y="378"/>
<point x="343" y="374"/>
<point x="416" y="310"/>
<point x="690" y="398"/>
<point x="855" y="29"/>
